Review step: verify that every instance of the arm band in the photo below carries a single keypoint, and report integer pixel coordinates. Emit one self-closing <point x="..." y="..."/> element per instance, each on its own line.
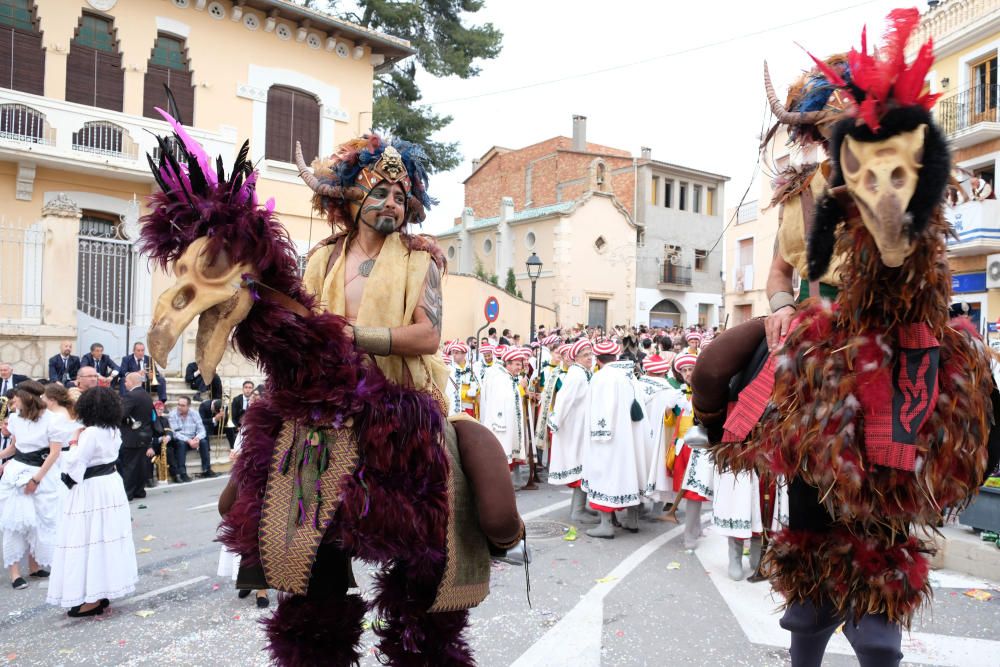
<point x="376" y="340"/>
<point x="781" y="299"/>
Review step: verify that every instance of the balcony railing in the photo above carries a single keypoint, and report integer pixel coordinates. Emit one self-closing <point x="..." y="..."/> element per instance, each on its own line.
<point x="966" y="108"/>
<point x="19" y="122"/>
<point x="104" y="138"/>
<point x="673" y="274"/>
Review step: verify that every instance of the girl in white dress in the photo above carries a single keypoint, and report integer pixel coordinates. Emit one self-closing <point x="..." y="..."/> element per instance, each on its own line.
<point x="95" y="557"/>
<point x="65" y="426"/>
<point x="29" y="495"/>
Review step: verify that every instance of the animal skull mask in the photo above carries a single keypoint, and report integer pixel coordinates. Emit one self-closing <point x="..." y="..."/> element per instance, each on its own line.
<point x="210" y="289"/>
<point x="881" y="177"/>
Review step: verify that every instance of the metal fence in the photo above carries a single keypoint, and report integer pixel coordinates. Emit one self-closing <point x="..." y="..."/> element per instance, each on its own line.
<point x="21" y="248"/>
<point x="966" y="108"/>
<point x="104" y="281"/>
<point x="104" y="138"/>
<point x="22" y="123"/>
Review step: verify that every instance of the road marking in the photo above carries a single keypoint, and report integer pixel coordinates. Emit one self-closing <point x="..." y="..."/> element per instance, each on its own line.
<point x="171" y="486"/>
<point x="165" y="589"/>
<point x="542" y="511"/>
<point x="214" y="503"/>
<point x="576" y="638"/>
<point x="757" y="611"/>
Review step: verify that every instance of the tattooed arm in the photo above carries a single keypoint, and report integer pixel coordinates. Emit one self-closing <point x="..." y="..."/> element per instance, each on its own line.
<point x="424" y="335"/>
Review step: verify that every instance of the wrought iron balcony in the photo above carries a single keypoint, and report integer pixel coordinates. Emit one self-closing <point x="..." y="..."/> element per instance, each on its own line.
<point x="674" y="275"/>
<point x="970" y="116"/>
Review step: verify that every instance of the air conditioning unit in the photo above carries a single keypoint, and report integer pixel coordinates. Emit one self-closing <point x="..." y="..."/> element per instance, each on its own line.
<point x="993" y="271"/>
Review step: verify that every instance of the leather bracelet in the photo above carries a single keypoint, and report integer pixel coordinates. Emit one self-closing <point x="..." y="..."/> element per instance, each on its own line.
<point x="37" y="483"/>
<point x="376" y="340"/>
<point x="779" y="300"/>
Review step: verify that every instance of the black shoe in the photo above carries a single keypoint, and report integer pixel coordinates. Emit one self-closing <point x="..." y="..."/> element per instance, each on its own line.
<point x="39" y="574"/>
<point x="176" y="479"/>
<point x="19" y="584"/>
<point x="209" y="474"/>
<point x="263" y="602"/>
<point x="185" y="478"/>
<point x="105" y="603"/>
<point x="244" y="593"/>
<point x="139" y="494"/>
<point x="76" y="613"/>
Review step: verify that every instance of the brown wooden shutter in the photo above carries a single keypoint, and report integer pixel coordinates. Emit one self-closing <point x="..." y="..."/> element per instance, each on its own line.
<point x="23" y="61"/>
<point x="180" y="86"/>
<point x="110" y="79"/>
<point x="81" y="75"/>
<point x="280" y="114"/>
<point x="6" y="57"/>
<point x="305" y="127"/>
<point x="154" y="96"/>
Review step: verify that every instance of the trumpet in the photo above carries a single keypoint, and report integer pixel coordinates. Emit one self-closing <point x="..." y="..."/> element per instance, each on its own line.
<point x="4" y="407"/>
<point x="151" y="370"/>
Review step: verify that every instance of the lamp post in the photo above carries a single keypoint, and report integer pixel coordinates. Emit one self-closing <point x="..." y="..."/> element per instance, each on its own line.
<point x="534" y="267"/>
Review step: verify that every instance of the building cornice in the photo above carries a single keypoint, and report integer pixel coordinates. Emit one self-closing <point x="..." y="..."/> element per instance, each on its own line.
<point x="954" y="25"/>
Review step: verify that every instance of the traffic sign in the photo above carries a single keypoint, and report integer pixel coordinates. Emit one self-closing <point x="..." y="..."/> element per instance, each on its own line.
<point x="492" y="309"/>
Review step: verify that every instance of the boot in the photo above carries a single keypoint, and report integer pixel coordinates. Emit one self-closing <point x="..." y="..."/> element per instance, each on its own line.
<point x="692" y="523"/>
<point x="578" y="506"/>
<point x="735" y="558"/>
<point x="756" y="548"/>
<point x="632" y="519"/>
<point x="604" y="531"/>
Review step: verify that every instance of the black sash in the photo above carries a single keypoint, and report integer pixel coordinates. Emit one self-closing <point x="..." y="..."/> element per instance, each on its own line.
<point x="92" y="471"/>
<point x="36" y="458"/>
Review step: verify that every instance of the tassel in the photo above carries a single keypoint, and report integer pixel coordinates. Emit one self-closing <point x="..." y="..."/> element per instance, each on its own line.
<point x="364" y="485"/>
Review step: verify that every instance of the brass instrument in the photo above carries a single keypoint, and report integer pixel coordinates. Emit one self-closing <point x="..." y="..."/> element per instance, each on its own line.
<point x="4" y="407"/>
<point x="151" y="369"/>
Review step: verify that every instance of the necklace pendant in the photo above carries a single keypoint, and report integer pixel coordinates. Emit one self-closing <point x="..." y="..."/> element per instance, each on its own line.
<point x="365" y="268"/>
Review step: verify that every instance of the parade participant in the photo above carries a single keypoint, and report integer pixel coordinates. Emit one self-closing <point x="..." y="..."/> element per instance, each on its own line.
<point x="463" y="385"/>
<point x="615" y="463"/>
<point x="693" y="339"/>
<point x="883" y="410"/>
<point x="660" y="400"/>
<point x="485" y="360"/>
<point x="570" y="430"/>
<point x="502" y="408"/>
<point x="688" y="471"/>
<point x="29" y="496"/>
<point x="94" y="560"/>
<point x="352" y="428"/>
<point x="547" y="380"/>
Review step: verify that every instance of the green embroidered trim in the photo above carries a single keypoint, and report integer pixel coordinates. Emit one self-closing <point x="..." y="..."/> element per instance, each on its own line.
<point x="563" y="474"/>
<point x="622" y="499"/>
<point x="738" y="524"/>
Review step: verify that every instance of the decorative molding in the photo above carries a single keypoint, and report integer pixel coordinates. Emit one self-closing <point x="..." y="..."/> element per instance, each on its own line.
<point x="249" y="92"/>
<point x="61" y="207"/>
<point x="173" y="26"/>
<point x="251" y="21"/>
<point x="102" y="5"/>
<point x="335" y="113"/>
<point x="216" y="10"/>
<point x="236" y="14"/>
<point x="271" y="21"/>
<point x="200" y="5"/>
<point x="25" y="188"/>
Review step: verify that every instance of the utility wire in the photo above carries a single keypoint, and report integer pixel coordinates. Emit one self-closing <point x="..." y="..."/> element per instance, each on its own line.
<point x="671" y="54"/>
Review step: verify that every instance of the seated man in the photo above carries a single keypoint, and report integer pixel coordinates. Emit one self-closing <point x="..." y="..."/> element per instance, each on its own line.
<point x="214" y="417"/>
<point x="139" y="362"/>
<point x="105" y="365"/>
<point x="8" y="378"/>
<point x="188" y="433"/>
<point x="63" y="367"/>
<point x="194" y="379"/>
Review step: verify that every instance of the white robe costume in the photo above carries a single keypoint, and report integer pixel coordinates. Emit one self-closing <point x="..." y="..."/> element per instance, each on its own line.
<point x="500" y="411"/>
<point x="615" y="465"/>
<point x="658" y="396"/>
<point x="570" y="429"/>
<point x="549" y="376"/>
<point x="462" y="390"/>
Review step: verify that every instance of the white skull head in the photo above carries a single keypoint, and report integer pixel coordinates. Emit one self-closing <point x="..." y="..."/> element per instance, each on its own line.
<point x="210" y="288"/>
<point x="882" y="177"/>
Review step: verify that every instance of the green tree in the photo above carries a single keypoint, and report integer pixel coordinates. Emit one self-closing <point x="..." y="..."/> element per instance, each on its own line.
<point x="446" y="46"/>
<point x="510" y="286"/>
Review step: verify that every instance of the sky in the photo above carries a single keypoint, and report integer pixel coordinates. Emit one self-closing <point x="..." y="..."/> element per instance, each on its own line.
<point x="683" y="78"/>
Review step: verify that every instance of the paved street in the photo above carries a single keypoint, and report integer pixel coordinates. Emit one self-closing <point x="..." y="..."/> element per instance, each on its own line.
<point x="635" y="600"/>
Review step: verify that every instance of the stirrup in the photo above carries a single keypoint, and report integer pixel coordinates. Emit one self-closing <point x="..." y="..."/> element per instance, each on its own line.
<point x="696" y="437"/>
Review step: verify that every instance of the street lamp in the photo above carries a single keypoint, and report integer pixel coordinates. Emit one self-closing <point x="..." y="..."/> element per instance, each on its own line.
<point x="534" y="267"/>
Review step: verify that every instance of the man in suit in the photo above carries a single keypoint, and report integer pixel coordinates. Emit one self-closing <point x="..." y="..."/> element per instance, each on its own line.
<point x="241" y="403"/>
<point x="138" y="362"/>
<point x="64" y="366"/>
<point x="193" y="378"/>
<point x="105" y="365"/>
<point x="138" y="445"/>
<point x="8" y="378"/>
<point x="213" y="417"/>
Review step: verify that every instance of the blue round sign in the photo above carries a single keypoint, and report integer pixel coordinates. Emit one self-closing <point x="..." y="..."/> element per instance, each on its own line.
<point x="492" y="309"/>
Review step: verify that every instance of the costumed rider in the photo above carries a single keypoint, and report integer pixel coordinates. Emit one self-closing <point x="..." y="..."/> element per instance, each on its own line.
<point x="663" y="401"/>
<point x="570" y="430"/>
<point x="463" y="385"/>
<point x="502" y="406"/>
<point x="615" y="462"/>
<point x="878" y="410"/>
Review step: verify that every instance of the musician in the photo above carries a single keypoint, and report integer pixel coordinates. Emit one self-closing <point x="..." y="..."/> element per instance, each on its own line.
<point x="463" y="385"/>
<point x="139" y="362"/>
<point x="138" y="445"/>
<point x="214" y="414"/>
<point x="194" y="379"/>
<point x="105" y="365"/>
<point x="63" y="367"/>
<point x="9" y="379"/>
<point x="240" y="404"/>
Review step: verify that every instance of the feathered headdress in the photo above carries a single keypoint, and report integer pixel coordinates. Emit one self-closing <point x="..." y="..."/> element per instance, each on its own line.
<point x="359" y="165"/>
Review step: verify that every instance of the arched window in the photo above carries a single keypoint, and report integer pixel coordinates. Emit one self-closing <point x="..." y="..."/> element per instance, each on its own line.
<point x="94" y="74"/>
<point x="22" y="58"/>
<point x="292" y="115"/>
<point x="168" y="66"/>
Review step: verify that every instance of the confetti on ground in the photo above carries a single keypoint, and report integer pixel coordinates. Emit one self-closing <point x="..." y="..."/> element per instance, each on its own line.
<point x="673" y="565"/>
<point x="236" y="617"/>
<point x="570" y="534"/>
<point x="149" y="538"/>
<point x="178" y="545"/>
<point x="978" y="594"/>
<point x="215" y="587"/>
<point x="142" y="507"/>
<point x="606" y="580"/>
<point x="11" y="657"/>
<point x="65" y="651"/>
<point x="144" y="550"/>
<point x="144" y="613"/>
<point x="121" y="642"/>
<point x="619" y="633"/>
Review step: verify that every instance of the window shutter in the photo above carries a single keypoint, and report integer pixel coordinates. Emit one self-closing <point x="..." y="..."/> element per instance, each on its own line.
<point x="153" y="94"/>
<point x="280" y="119"/>
<point x="183" y="90"/>
<point x="6" y="57"/>
<point x="110" y="78"/>
<point x="81" y="75"/>
<point x="28" y="63"/>
<point x="305" y="127"/>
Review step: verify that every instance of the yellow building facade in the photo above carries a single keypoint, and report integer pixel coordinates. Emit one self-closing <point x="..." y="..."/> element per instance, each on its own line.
<point x="76" y="123"/>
